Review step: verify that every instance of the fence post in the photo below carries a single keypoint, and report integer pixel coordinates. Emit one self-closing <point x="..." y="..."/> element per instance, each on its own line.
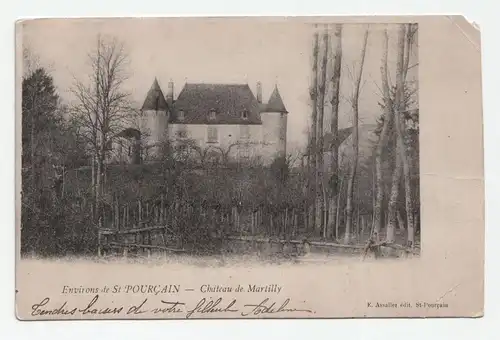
<point x="253" y="223"/>
<point x="117" y="213"/>
<point x="99" y="250"/>
<point x="295" y="222"/>
<point x="139" y="218"/>
<point x="123" y="218"/>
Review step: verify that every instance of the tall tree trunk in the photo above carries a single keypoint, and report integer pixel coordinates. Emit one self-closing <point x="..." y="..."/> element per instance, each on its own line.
<point x="393" y="215"/>
<point x="355" y="144"/>
<point x="93" y="171"/>
<point x="334" y="129"/>
<point x="102" y="163"/>
<point x="313" y="149"/>
<point x="309" y="204"/>
<point x="401" y="132"/>
<point x="388" y="116"/>
<point x="393" y="200"/>
<point x="325" y="210"/>
<point x="337" y="212"/>
<point x="321" y="112"/>
<point x="98" y="139"/>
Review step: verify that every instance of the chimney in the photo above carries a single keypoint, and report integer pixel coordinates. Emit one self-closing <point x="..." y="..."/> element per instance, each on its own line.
<point x="259" y="92"/>
<point x="170" y="92"/>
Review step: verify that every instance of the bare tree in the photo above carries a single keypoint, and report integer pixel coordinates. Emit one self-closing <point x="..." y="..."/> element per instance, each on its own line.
<point x="396" y="175"/>
<point x="355" y="142"/>
<point x="382" y="142"/>
<point x="334" y="129"/>
<point x="320" y="133"/>
<point x="393" y="200"/>
<point x="399" y="106"/>
<point x="313" y="149"/>
<point x="401" y="132"/>
<point x="102" y="108"/>
<point x="201" y="152"/>
<point x="225" y="152"/>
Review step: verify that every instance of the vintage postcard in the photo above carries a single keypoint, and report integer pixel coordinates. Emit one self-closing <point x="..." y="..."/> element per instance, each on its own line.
<point x="265" y="167"/>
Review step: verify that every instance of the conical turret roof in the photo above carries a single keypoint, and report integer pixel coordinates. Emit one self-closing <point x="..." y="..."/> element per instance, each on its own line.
<point x="155" y="99"/>
<point x="275" y="103"/>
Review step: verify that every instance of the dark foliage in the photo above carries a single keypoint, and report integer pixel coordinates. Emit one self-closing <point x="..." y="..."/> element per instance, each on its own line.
<point x="49" y="148"/>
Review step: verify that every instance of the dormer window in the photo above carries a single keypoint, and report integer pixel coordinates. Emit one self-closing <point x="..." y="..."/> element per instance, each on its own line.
<point x="212" y="114"/>
<point x="181" y="115"/>
<point x="244" y="114"/>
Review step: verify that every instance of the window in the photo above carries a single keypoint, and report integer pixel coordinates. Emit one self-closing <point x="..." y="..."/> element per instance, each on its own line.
<point x="244" y="114"/>
<point x="212" y="114"/>
<point x="244" y="132"/>
<point x="212" y="134"/>
<point x="181" y="115"/>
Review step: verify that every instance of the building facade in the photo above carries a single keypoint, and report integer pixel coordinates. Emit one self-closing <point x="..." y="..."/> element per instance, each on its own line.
<point x="221" y="120"/>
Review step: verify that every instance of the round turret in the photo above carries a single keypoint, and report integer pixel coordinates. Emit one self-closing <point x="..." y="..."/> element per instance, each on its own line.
<point x="274" y="123"/>
<point x="154" y="122"/>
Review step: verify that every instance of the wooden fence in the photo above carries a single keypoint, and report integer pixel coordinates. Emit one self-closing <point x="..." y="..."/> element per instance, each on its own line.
<point x="137" y="240"/>
<point x="151" y="226"/>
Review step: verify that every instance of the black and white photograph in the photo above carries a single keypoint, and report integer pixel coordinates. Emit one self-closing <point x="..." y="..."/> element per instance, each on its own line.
<point x="218" y="167"/>
<point x="222" y="147"/>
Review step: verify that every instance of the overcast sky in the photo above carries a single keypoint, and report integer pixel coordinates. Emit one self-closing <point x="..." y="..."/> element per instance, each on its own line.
<point x="218" y="51"/>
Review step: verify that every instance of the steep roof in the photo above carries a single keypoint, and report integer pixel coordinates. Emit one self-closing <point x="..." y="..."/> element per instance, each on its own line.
<point x="343" y="134"/>
<point x="275" y="103"/>
<point x="328" y="141"/>
<point x="155" y="100"/>
<point x="229" y="101"/>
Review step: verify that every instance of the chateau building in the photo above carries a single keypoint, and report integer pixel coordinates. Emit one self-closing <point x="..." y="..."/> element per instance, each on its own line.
<point x="217" y="119"/>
